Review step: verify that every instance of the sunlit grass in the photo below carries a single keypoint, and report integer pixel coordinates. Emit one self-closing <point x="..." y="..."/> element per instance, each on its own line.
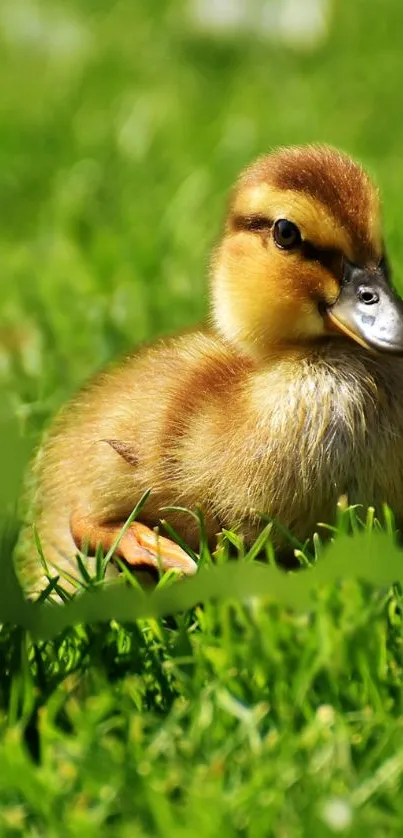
<point x="245" y="699"/>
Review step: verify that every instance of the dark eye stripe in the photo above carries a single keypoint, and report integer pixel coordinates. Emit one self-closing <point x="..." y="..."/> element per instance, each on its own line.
<point x="327" y="257"/>
<point x="252" y="223"/>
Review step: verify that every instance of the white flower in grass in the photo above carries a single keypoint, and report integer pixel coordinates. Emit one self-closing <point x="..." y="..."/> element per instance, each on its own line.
<point x="337" y="814"/>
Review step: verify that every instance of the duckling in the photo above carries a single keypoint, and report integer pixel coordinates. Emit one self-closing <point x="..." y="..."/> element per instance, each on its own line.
<point x="292" y="398"/>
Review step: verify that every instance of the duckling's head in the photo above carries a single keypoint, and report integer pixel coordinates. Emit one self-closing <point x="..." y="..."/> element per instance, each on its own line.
<point x="302" y="258"/>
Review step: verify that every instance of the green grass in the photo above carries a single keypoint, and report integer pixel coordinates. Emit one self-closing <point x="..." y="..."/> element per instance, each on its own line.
<point x="237" y="704"/>
<point x="264" y="705"/>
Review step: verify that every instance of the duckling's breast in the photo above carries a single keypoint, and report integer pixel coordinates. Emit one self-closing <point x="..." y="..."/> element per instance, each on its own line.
<point x="321" y="426"/>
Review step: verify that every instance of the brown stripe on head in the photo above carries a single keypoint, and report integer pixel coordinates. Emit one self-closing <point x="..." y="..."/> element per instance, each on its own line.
<point x="321" y="177"/>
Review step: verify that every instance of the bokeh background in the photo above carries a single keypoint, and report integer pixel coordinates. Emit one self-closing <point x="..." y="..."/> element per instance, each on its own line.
<point x="122" y="127"/>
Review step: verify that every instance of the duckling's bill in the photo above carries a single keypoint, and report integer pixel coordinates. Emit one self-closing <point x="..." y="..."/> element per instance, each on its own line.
<point x="368" y="310"/>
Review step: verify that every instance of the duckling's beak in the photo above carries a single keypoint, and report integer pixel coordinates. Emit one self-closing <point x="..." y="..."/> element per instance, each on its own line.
<point x="368" y="310"/>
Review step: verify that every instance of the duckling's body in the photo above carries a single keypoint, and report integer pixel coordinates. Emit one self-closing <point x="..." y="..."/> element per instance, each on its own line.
<point x="231" y="420"/>
<point x="303" y="431"/>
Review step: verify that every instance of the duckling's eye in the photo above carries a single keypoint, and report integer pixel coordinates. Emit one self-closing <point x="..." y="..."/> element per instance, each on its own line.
<point x="286" y="234"/>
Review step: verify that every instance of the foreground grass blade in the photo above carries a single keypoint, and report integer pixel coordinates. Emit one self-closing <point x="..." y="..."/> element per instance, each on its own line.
<point x="132" y="517"/>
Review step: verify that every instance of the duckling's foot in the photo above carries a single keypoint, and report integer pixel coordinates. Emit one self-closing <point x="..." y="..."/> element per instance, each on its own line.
<point x="139" y="546"/>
